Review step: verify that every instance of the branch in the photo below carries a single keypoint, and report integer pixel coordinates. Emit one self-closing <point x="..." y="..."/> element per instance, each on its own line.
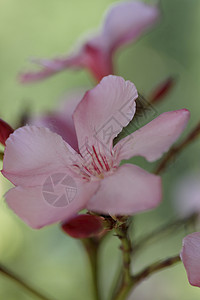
<point x="155" y="267"/>
<point x="176" y="149"/>
<point x="18" y="280"/>
<point x="136" y="279"/>
<point x="159" y="232"/>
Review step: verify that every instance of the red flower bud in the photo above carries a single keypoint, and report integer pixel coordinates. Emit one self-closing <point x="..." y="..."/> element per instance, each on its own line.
<point x="83" y="226"/>
<point x="162" y="90"/>
<point x="5" y="131"/>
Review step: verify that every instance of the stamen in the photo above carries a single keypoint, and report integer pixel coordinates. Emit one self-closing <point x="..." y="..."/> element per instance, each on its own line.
<point x="93" y="163"/>
<point x="97" y="157"/>
<point x="99" y="162"/>
<point x="105" y="162"/>
<point x="95" y="167"/>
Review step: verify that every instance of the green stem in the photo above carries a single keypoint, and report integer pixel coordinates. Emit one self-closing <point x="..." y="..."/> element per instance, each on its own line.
<point x="126" y="282"/>
<point x="18" y="280"/>
<point x="91" y="246"/>
<point x="176" y="149"/>
<point x="162" y="231"/>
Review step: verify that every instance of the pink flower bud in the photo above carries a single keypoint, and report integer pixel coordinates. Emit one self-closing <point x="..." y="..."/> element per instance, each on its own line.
<point x="162" y="90"/>
<point x="5" y="131"/>
<point x="83" y="226"/>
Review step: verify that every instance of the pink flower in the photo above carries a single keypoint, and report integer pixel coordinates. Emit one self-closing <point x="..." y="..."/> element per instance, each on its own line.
<point x="36" y="158"/>
<point x="124" y="23"/>
<point x="190" y="256"/>
<point x="187" y="195"/>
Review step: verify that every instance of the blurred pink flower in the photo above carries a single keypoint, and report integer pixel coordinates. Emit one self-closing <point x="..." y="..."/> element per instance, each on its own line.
<point x="190" y="256"/>
<point x="187" y="195"/>
<point x="124" y="23"/>
<point x="33" y="155"/>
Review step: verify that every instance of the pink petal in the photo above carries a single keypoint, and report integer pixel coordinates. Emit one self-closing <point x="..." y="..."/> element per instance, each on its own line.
<point x="187" y="195"/>
<point x="5" y="131"/>
<point x="33" y="153"/>
<point x="70" y="101"/>
<point x="104" y="111"/>
<point x="90" y="56"/>
<point x="126" y="21"/>
<point x="190" y="256"/>
<point x="127" y="191"/>
<point x="83" y="226"/>
<point x="155" y="138"/>
<point x="59" y="124"/>
<point x="97" y="59"/>
<point x="38" y="207"/>
<point x="50" y="67"/>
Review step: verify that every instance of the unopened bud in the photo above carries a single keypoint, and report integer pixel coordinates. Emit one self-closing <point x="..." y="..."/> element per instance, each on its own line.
<point x="84" y="226"/>
<point x="5" y="131"/>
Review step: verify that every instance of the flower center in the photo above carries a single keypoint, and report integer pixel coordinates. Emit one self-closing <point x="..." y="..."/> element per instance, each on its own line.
<point x="95" y="164"/>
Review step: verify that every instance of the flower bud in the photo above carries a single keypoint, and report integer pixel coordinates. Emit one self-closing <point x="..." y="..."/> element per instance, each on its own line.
<point x="162" y="90"/>
<point x="83" y="226"/>
<point x="5" y="131"/>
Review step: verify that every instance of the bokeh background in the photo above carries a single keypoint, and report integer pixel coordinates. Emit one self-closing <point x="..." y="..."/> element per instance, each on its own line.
<point x="49" y="260"/>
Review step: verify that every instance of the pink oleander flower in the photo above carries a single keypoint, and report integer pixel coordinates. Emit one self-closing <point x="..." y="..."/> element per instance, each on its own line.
<point x="123" y="24"/>
<point x="187" y="195"/>
<point x="190" y="256"/>
<point x="35" y="158"/>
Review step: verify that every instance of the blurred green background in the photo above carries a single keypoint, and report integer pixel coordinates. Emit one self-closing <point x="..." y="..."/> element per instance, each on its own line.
<point x="46" y="258"/>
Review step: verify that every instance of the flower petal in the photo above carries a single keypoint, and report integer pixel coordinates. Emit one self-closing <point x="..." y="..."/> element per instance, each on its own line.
<point x="104" y="111"/>
<point x="59" y="124"/>
<point x="33" y="153"/>
<point x="127" y="191"/>
<point x="126" y="21"/>
<point x="190" y="256"/>
<point x="61" y="121"/>
<point x="50" y="67"/>
<point x="155" y="138"/>
<point x="38" y="207"/>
